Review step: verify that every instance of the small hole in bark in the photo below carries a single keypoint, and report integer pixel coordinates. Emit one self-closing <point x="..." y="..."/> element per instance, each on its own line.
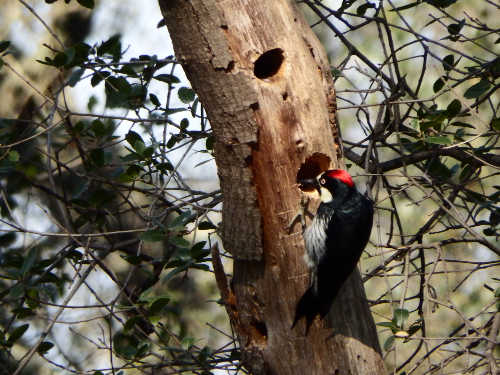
<point x="224" y="27"/>
<point x="313" y="166"/>
<point x="284" y="95"/>
<point x="269" y="63"/>
<point x="254" y="106"/>
<point x="259" y="333"/>
<point x="230" y="67"/>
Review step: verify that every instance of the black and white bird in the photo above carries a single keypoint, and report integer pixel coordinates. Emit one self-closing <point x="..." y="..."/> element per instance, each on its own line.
<point x="334" y="240"/>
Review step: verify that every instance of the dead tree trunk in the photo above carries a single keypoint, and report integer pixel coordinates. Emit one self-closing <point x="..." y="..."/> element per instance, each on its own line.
<point x="265" y="82"/>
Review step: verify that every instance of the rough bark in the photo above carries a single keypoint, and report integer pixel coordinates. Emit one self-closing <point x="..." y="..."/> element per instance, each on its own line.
<point x="265" y="83"/>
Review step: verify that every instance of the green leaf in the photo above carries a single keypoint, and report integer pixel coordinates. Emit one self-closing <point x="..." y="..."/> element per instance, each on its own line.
<point x="172" y="273"/>
<point x="7" y="239"/>
<point x="454" y="28"/>
<point x="92" y="102"/>
<point x="448" y="62"/>
<point x="438" y="85"/>
<point x="131" y="173"/>
<point x="184" y="123"/>
<point x="155" y="235"/>
<point x="117" y="91"/>
<point x="209" y="142"/>
<point x="130" y="324"/>
<point x="125" y="345"/>
<point x="181" y="220"/>
<point x="453" y="108"/>
<point x="75" y="77"/>
<point x="158" y="305"/>
<point x="135" y="140"/>
<point x="388" y="343"/>
<point x="97" y="77"/>
<point x="194" y="106"/>
<point x="179" y="242"/>
<point x="439" y="140"/>
<point x="17" y="333"/>
<point x="4" y="44"/>
<point x="86" y="3"/>
<point x="167" y="78"/>
<point x="361" y="10"/>
<point x="186" y="94"/>
<point x="205" y="225"/>
<point x="154" y="99"/>
<point x="495" y="124"/>
<point x="132" y="259"/>
<point x="112" y="47"/>
<point x="13" y="156"/>
<point x="97" y="156"/>
<point x="387" y="324"/>
<point x="441" y="3"/>
<point x="44" y="347"/>
<point x="400" y="317"/>
<point x="29" y="261"/>
<point x="477" y="90"/>
<point x="198" y="251"/>
<point x="166" y="166"/>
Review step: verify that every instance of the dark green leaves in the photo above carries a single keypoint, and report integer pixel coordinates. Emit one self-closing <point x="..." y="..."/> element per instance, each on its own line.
<point x="44" y="347"/>
<point x="361" y="10"/>
<point x="87" y="3"/>
<point x="186" y="95"/>
<point x="128" y="345"/>
<point x="111" y="47"/>
<point x="152" y="236"/>
<point x="453" y="108"/>
<point x="454" y="30"/>
<point x="448" y="62"/>
<point x="117" y="92"/>
<point x="438" y="85"/>
<point x="167" y="78"/>
<point x="4" y="44"/>
<point x="478" y="89"/>
<point x="16" y="334"/>
<point x="397" y="326"/>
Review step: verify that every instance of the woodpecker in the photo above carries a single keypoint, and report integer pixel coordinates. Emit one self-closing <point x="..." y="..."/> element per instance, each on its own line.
<point x="334" y="240"/>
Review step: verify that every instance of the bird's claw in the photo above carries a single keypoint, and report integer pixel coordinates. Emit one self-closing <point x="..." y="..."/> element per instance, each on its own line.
<point x="301" y="214"/>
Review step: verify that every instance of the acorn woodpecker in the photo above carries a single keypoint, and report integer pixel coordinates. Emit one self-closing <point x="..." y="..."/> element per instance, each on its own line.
<point x="334" y="240"/>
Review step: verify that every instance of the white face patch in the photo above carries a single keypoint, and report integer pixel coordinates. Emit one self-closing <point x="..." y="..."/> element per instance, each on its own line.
<point x="325" y="195"/>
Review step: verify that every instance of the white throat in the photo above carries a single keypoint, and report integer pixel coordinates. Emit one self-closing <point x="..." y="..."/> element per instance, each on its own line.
<point x="325" y="195"/>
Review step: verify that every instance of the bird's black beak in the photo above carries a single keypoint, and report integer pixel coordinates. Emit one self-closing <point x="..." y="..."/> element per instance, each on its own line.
<point x="309" y="184"/>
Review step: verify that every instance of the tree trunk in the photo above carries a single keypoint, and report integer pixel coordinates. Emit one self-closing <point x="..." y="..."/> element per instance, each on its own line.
<point x="265" y="82"/>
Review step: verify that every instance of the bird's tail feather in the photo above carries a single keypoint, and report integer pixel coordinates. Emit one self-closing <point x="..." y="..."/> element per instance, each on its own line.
<point x="314" y="302"/>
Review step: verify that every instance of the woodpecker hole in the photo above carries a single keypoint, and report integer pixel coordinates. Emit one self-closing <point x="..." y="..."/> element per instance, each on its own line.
<point x="254" y="106"/>
<point x="259" y="333"/>
<point x="269" y="63"/>
<point x="284" y="95"/>
<point x="313" y="166"/>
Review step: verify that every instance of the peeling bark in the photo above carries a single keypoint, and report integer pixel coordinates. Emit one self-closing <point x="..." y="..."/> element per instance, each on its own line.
<point x="265" y="83"/>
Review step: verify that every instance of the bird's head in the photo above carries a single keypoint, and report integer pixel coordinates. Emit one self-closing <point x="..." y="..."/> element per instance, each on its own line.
<point x="328" y="184"/>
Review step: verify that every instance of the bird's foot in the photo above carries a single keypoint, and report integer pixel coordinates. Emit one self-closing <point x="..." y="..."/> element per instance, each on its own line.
<point x="300" y="215"/>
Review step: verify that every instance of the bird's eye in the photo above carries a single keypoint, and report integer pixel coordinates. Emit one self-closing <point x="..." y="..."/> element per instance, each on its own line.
<point x="322" y="181"/>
